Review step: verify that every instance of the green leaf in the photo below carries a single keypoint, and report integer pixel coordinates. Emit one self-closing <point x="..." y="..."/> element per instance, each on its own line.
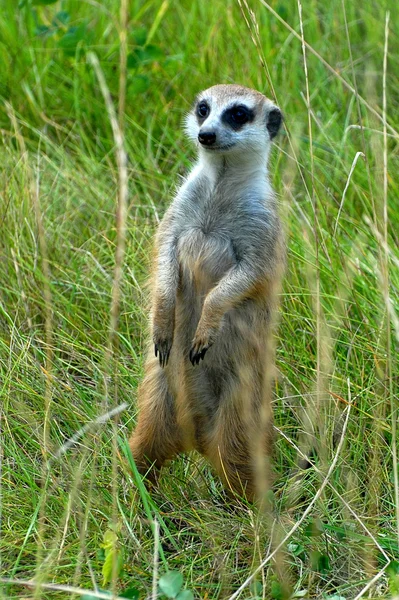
<point x="70" y="40"/>
<point x="256" y="588"/>
<point x="113" y="556"/>
<point x="43" y="2"/>
<point x="171" y="583"/>
<point x="61" y="18"/>
<point x="43" y="30"/>
<point x="109" y="539"/>
<point x="138" y="84"/>
<point x="142" y="56"/>
<point x="393" y="568"/>
<point x="279" y="590"/>
<point x="281" y="10"/>
<point x="132" y="61"/>
<point x="276" y="590"/>
<point x="132" y="593"/>
<point x="107" y="568"/>
<point x="300" y="594"/>
<point x="185" y="595"/>
<point x="314" y="528"/>
<point x="139" y="36"/>
<point x="320" y="562"/>
<point x="393" y="577"/>
<point x="295" y="549"/>
<point x="100" y="554"/>
<point x="91" y="597"/>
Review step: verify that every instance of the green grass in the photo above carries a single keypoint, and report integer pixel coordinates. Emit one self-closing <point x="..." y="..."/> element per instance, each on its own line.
<point x="54" y="327"/>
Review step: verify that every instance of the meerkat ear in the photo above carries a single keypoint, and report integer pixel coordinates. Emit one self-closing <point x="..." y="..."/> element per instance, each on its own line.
<point x="274" y="120"/>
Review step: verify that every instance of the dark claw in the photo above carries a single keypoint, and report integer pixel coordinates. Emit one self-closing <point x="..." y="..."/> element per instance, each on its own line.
<point x="164" y="357"/>
<point x="196" y="356"/>
<point x="162" y="351"/>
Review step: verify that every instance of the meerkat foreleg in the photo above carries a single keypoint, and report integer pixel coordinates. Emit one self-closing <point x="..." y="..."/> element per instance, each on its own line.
<point x="230" y="290"/>
<point x="164" y="300"/>
<point x="157" y="436"/>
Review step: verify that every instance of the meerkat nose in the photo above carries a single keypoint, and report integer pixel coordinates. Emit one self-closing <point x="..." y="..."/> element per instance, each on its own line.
<point x="207" y="138"/>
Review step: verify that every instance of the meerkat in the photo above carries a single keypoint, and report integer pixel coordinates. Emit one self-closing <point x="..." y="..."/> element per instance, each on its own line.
<point x="218" y="253"/>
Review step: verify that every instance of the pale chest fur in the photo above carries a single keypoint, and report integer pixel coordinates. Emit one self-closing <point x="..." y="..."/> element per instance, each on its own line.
<point x="214" y="224"/>
<point x="204" y="256"/>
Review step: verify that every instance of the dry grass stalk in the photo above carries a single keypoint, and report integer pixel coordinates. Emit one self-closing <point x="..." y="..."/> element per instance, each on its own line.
<point x="372" y="110"/>
<point x="67" y="589"/>
<point x="304" y="514"/>
<point x="110" y="365"/>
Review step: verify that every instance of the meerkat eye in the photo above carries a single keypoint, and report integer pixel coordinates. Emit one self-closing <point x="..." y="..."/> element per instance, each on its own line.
<point x="203" y="110"/>
<point x="240" y="115"/>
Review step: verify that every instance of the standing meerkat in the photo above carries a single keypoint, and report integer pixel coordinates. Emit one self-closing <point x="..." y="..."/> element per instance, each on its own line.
<point x="219" y="252"/>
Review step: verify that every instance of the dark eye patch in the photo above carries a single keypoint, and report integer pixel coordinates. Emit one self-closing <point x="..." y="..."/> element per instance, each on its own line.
<point x="274" y="120"/>
<point x="237" y="116"/>
<point x="202" y="109"/>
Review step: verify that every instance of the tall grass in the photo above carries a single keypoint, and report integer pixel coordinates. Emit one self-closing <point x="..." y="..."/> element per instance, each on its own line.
<point x="83" y="82"/>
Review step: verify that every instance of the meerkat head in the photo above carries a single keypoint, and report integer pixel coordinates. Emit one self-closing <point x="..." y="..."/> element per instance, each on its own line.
<point x="232" y="119"/>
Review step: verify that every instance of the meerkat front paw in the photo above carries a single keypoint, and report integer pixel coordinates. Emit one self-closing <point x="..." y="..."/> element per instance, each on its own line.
<point x="197" y="352"/>
<point x="201" y="344"/>
<point x="162" y="348"/>
<point x="163" y="325"/>
<point x="162" y="344"/>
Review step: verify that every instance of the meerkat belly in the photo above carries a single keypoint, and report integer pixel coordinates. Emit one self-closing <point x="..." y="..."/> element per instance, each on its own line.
<point x="204" y="258"/>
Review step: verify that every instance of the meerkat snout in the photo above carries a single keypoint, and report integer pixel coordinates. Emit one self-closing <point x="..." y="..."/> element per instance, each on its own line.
<point x="207" y="138"/>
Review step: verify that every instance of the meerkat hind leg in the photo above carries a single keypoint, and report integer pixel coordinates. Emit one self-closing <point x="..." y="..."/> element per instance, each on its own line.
<point x="157" y="437"/>
<point x="230" y="453"/>
<point x="239" y="436"/>
<point x="228" y="447"/>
